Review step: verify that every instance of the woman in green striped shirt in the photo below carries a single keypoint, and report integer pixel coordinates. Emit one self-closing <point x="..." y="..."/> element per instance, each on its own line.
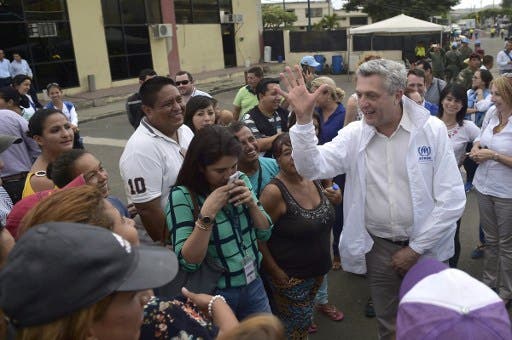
<point x="229" y="222"/>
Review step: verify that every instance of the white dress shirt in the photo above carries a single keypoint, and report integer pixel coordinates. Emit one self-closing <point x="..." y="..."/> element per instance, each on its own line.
<point x="5" y="68"/>
<point x="20" y="68"/>
<point x="502" y="59"/>
<point x="492" y="177"/>
<point x="389" y="211"/>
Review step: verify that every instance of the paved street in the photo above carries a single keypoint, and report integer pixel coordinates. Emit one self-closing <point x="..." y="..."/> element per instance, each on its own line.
<point x="106" y="137"/>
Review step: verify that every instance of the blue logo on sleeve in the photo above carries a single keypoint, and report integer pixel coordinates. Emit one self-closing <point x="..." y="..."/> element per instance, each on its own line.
<point x="424" y="153"/>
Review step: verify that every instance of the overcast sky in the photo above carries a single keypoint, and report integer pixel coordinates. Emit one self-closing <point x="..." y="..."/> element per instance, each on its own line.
<point x="463" y="3"/>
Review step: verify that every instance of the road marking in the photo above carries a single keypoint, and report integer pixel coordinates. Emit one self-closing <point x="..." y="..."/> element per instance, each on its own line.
<point x="120" y="143"/>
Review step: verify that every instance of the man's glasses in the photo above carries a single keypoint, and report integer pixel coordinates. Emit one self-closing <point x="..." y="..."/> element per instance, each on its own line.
<point x="182" y="82"/>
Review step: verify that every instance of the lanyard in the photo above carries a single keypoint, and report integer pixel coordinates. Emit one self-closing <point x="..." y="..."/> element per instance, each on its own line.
<point x="260" y="180"/>
<point x="234" y="219"/>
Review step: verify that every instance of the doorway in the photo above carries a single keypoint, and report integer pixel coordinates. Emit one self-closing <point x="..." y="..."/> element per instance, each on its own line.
<point x="228" y="44"/>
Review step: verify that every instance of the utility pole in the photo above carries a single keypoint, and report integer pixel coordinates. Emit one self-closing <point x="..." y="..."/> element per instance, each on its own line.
<point x="284" y="7"/>
<point x="309" y="16"/>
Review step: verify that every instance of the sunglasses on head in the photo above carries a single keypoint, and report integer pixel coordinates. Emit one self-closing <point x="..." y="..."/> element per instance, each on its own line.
<point x="182" y="82"/>
<point x="50" y="85"/>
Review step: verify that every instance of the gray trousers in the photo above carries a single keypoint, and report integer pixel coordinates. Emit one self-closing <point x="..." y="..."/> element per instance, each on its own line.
<point x="384" y="283"/>
<point x="496" y="221"/>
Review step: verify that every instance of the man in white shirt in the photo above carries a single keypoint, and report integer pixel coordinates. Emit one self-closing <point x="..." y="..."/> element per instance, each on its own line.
<point x="5" y="70"/>
<point x="504" y="58"/>
<point x="403" y="192"/>
<point x="154" y="153"/>
<point x="185" y="84"/>
<point x="19" y="66"/>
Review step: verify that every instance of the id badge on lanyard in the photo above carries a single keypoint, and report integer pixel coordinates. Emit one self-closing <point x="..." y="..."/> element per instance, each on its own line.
<point x="248" y="261"/>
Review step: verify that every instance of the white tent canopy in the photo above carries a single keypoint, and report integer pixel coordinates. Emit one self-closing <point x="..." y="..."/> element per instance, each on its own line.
<point x="399" y="25"/>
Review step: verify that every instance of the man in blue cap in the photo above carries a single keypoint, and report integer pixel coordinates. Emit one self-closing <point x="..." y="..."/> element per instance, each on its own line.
<point x="309" y="65"/>
<point x="464" y="49"/>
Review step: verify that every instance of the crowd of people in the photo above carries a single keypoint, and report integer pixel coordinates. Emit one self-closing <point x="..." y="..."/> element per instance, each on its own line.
<point x="253" y="207"/>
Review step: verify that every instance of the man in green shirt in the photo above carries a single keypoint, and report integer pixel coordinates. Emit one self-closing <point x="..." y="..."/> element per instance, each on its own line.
<point x="246" y="97"/>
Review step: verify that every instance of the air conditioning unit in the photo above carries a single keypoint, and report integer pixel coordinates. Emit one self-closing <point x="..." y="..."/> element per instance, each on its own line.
<point x="162" y="31"/>
<point x="42" y="30"/>
<point x="238" y="18"/>
<point x="226" y="19"/>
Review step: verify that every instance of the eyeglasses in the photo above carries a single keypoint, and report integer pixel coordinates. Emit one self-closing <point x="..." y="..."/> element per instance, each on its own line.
<point x="182" y="82"/>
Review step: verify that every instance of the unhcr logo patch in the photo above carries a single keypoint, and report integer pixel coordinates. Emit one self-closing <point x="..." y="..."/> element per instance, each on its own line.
<point x="424" y="153"/>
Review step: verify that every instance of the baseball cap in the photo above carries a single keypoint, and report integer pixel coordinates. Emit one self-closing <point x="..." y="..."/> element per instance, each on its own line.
<point x="7" y="140"/>
<point x="309" y="61"/>
<point x="465" y="40"/>
<point x="58" y="268"/>
<point x="438" y="302"/>
<point x="22" y="207"/>
<point x="454" y="44"/>
<point x="477" y="42"/>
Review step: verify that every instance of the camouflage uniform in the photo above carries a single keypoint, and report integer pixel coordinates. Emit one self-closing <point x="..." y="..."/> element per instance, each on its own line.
<point x="465" y="78"/>
<point x="453" y="65"/>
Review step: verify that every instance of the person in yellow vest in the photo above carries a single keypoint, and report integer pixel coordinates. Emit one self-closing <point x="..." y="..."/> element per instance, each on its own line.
<point x="419" y="51"/>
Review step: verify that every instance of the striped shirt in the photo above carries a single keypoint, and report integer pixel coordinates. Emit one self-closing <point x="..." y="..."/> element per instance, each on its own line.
<point x="5" y="205"/>
<point x="228" y="244"/>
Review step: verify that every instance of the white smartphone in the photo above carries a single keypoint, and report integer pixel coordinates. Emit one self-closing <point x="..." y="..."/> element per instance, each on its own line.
<point x="234" y="177"/>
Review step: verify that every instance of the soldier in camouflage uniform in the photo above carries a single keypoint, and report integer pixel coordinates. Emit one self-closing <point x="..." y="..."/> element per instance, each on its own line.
<point x="465" y="50"/>
<point x="466" y="75"/>
<point x="453" y="63"/>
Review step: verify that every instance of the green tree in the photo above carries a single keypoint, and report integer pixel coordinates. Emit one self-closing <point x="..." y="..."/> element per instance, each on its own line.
<point x="384" y="9"/>
<point x="328" y="22"/>
<point x="506" y="3"/>
<point x="275" y="17"/>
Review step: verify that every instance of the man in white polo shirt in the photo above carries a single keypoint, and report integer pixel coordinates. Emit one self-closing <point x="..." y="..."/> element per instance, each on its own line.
<point x="403" y="192"/>
<point x="154" y="153"/>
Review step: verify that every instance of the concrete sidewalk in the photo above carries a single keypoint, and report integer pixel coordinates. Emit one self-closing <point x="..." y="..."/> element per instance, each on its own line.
<point x="110" y="102"/>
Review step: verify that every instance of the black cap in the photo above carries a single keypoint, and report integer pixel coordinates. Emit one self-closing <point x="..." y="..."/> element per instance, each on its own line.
<point x="58" y="268"/>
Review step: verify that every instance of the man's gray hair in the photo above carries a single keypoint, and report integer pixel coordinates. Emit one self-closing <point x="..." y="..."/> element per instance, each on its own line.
<point x="392" y="73"/>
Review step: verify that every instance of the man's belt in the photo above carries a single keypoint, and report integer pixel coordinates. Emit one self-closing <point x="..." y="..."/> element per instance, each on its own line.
<point x="398" y="243"/>
<point x="14" y="178"/>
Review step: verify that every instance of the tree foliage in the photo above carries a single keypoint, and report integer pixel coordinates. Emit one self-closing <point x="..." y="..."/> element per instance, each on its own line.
<point x="482" y="15"/>
<point x="328" y="22"/>
<point x="506" y="3"/>
<point x="384" y="9"/>
<point x="275" y="17"/>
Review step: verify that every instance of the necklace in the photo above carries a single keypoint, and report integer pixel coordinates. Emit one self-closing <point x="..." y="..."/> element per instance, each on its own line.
<point x="498" y="128"/>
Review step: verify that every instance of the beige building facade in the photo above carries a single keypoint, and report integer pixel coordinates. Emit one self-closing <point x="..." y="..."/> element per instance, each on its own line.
<point x="98" y="44"/>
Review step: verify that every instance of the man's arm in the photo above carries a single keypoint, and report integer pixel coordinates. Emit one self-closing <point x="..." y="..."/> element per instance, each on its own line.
<point x="236" y="112"/>
<point x="265" y="143"/>
<point x="152" y="217"/>
<point x="448" y="197"/>
<point x="27" y="68"/>
<point x="142" y="174"/>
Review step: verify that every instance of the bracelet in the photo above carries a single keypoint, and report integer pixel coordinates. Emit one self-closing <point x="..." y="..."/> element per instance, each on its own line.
<point x="202" y="226"/>
<point x="210" y="304"/>
<point x="496" y="157"/>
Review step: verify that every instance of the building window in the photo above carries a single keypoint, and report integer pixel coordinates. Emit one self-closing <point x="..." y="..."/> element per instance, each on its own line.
<point x="40" y="32"/>
<point x="315" y="12"/>
<point x="127" y="35"/>
<point x="358" y="21"/>
<point x="200" y="11"/>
